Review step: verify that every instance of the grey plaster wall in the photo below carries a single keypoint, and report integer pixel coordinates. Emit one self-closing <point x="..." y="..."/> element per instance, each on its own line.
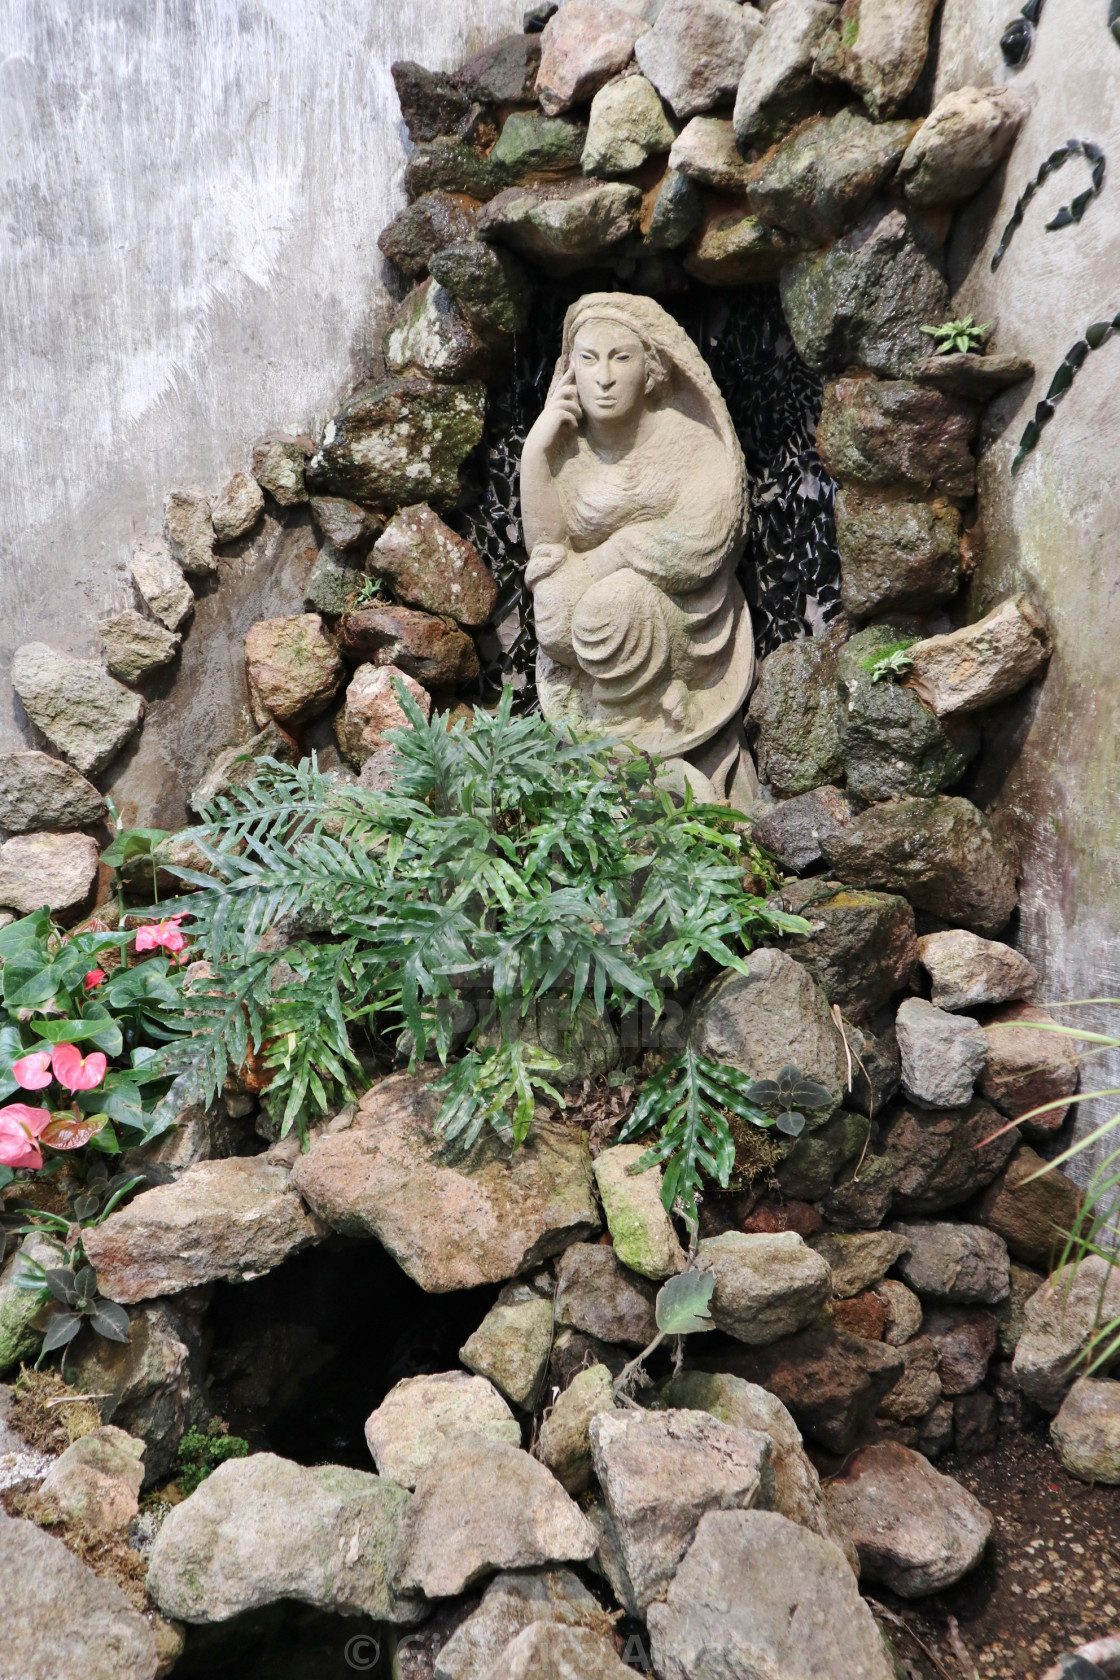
<point x="191" y="196"/>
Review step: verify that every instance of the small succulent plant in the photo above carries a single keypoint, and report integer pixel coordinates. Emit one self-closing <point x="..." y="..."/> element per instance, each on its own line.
<point x="963" y="337"/>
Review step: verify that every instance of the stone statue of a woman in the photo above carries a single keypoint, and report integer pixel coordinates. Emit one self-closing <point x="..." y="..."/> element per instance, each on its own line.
<point x="634" y="504"/>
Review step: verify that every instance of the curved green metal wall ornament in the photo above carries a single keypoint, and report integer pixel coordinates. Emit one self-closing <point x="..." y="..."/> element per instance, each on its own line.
<point x="1069" y="213"/>
<point x="1070" y="366"/>
<point x="1018" y="38"/>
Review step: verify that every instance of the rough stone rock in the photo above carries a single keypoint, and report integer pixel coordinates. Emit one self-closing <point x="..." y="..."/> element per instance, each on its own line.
<point x="148" y="1385"/>
<point x="1009" y="1314"/>
<point x="430" y="101"/>
<point x="902" y="1311"/>
<point x="293" y="669"/>
<point x="332" y="581"/>
<point x="965" y="1339"/>
<point x="736" y="249"/>
<point x="815" y="182"/>
<point x="862" y="949"/>
<point x="435" y="221"/>
<point x="1086" y="1431"/>
<point x="565" y="1440"/>
<point x="584" y="1047"/>
<point x="491" y="285"/>
<point x="695" y="52"/>
<point x="435" y="653"/>
<point x="896" y="554"/>
<point x="237" y="766"/>
<point x="966" y="971"/>
<point x="878" y="47"/>
<point x="814" y="1160"/>
<point x="935" y="1433"/>
<point x="278" y="467"/>
<point x="568" y="1653"/>
<point x="858" y="1259"/>
<point x="531" y="145"/>
<point x="771" y="1215"/>
<point x="791" y="828"/>
<point x="1029" y="1065"/>
<point x="916" y="1530"/>
<point x="598" y="1295"/>
<point x="973" y="667"/>
<point x="39" y="792"/>
<point x="893" y="745"/>
<point x="573" y="1351"/>
<point x="660" y="1472"/>
<point x="513" y="1602"/>
<point x="794" y="712"/>
<point x="431" y="567"/>
<point x="162" y="586"/>
<point x="942" y="1054"/>
<point x="512" y="1344"/>
<point x="937" y="1154"/>
<point x="450" y="164"/>
<point x="705" y="151"/>
<point x="964" y="138"/>
<point x="830" y="1380"/>
<point x="504" y="72"/>
<point x="451" y="1225"/>
<point x="189" y="533"/>
<point x="864" y="1315"/>
<point x="879" y="434"/>
<point x="565" y="223"/>
<point x="481" y="1506"/>
<point x="400" y="442"/>
<point x="767" y="1286"/>
<point x="82" y="711"/>
<point x="939" y="853"/>
<point x="861" y="1198"/>
<point x="343" y="524"/>
<point x="954" y="1262"/>
<point x="863" y="301"/>
<point x="583" y="45"/>
<point x="420" y="1416"/>
<point x="759" y="1595"/>
<point x="641" y="1231"/>
<point x="63" y="1622"/>
<point x="135" y="645"/>
<point x="431" y="335"/>
<point x="261" y="1529"/>
<point x="776" y="87"/>
<point x="1032" y="1215"/>
<point x="372" y="708"/>
<point x="918" y="1390"/>
<point x="974" y="378"/>
<point x="58" y="870"/>
<point x="236" y="508"/>
<point x="96" y="1481"/>
<point x="223" y="1219"/>
<point x="628" y="125"/>
<point x="877" y="1065"/>
<point x="975" y="1417"/>
<point x="772" y="1016"/>
<point x="1059" y="1322"/>
<point x="19" y="1307"/>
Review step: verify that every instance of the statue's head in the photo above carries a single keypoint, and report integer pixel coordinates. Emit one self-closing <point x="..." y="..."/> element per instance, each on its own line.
<point x="617" y="370"/>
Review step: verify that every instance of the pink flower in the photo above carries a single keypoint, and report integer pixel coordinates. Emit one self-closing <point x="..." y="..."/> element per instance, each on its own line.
<point x="94" y="978"/>
<point x="20" y="1127"/>
<point x="33" y="1071"/>
<point x="166" y="935"/>
<point x="76" y="1072"/>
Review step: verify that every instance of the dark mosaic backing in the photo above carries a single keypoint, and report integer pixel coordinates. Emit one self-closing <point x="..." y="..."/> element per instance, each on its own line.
<point x="790" y="570"/>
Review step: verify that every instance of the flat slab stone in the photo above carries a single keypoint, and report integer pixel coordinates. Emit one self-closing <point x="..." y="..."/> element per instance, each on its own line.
<point x="82" y="711"/>
<point x="975" y="378"/>
<point x="40" y="792"/>
<point x="966" y="971"/>
<point x="420" y="1416"/>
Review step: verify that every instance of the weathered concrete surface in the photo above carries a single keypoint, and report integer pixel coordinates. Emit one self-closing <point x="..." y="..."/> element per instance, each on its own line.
<point x="181" y="289"/>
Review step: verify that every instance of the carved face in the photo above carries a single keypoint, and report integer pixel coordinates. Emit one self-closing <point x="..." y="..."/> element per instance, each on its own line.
<point x="610" y="370"/>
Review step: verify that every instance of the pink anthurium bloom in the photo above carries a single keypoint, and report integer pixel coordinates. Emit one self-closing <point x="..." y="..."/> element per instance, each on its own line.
<point x="33" y="1071"/>
<point x="75" y="1071"/>
<point x="94" y="978"/>
<point x="165" y="935"/>
<point x="20" y="1127"/>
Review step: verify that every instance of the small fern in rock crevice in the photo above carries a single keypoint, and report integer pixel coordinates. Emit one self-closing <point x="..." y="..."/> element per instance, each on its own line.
<point x="510" y="861"/>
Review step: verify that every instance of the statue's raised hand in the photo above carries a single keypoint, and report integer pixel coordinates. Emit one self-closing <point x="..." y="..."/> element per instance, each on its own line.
<point x="561" y="412"/>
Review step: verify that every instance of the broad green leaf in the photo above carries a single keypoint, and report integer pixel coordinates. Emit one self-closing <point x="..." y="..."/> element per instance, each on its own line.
<point x="101" y="1031"/>
<point x="682" y="1304"/>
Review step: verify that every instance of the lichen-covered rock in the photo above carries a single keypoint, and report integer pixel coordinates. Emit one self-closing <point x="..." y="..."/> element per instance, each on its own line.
<point x="896" y="554"/>
<point x="976" y="666"/>
<point x="966" y="971"/>
<point x="815" y="1158"/>
<point x="794" y="713"/>
<point x="660" y="1472"/>
<point x="19" y="1306"/>
<point x="420" y="1416"/>
<point x="39" y="792"/>
<point x="954" y="1262"/>
<point x="372" y="709"/>
<point x="566" y="223"/>
<point x="705" y="151"/>
<point x="432" y="335"/>
<point x="862" y="949"/>
<point x="292" y="667"/>
<point x="504" y="72"/>
<point x="862" y="1195"/>
<point x="58" y="870"/>
<point x="878" y="47"/>
<point x="964" y="138"/>
<point x="512" y="1344"/>
<point x="435" y="221"/>
<point x="96" y="1481"/>
<point x="583" y="45"/>
<point x="261" y="1529"/>
<point x="513" y="1602"/>
<point x="400" y="442"/>
<point x="82" y="711"/>
<point x="858" y="1259"/>
<point x="891" y="743"/>
<point x="641" y="1231"/>
<point x="974" y="378"/>
<point x="766" y="1286"/>
<point x="1086" y="1431"/>
<point x="831" y="1381"/>
<point x="916" y="1530"/>
<point x="429" y="566"/>
<point x="490" y="285"/>
<point x="1029" y="1065"/>
<point x="628" y="125"/>
<point x="135" y="646"/>
<point x="1059" y="1322"/>
<point x="278" y="467"/>
<point x="890" y="433"/>
<point x="598" y="1295"/>
<point x="585" y="1045"/>
<point x="332" y="581"/>
<point x="863" y="301"/>
<point x="1033" y="1214"/>
<point x="223" y="1219"/>
<point x="451" y="1224"/>
<point x="815" y="181"/>
<point x="430" y="101"/>
<point x="942" y="1054"/>
<point x="189" y="533"/>
<point x="531" y="145"/>
<point x="565" y="1440"/>
<point x="480" y="1506"/>
<point x="940" y="1156"/>
<point x="449" y="164"/>
<point x="162" y="586"/>
<point x="236" y="508"/>
<point x="768" y="1018"/>
<point x="939" y="853"/>
<point x="791" y="828"/>
<point x="695" y="52"/>
<point x="776" y="87"/>
<point x="734" y="249"/>
<point x="148" y="1385"/>
<point x="435" y="653"/>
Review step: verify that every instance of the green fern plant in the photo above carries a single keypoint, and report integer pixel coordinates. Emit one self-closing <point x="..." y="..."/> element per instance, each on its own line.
<point x="958" y="337"/>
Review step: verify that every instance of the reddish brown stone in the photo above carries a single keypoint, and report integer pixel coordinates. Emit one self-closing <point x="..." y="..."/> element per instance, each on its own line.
<point x="940" y="1155"/>
<point x="429" y="566"/>
<point x="784" y="1216"/>
<point x="436" y="653"/>
<point x="965" y="1338"/>
<point x="864" y="1315"/>
<point x="372" y="709"/>
<point x="974" y="1423"/>
<point x="879" y="433"/>
<point x="1027" y="1067"/>
<point x="830" y="1380"/>
<point x="292" y="667"/>
<point x="1032" y="1215"/>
